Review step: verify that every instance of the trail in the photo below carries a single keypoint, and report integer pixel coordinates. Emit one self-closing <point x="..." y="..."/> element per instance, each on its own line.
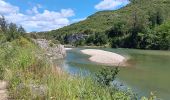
<point x="3" y="90"/>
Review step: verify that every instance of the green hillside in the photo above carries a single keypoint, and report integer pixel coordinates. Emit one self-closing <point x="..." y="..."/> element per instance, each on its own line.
<point x="128" y="27"/>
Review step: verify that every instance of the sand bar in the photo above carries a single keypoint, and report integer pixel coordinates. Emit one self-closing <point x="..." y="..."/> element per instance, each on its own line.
<point x="105" y="57"/>
<point x="68" y="48"/>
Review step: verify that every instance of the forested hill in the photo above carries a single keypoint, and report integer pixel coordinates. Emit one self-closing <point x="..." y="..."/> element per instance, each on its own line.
<point x="141" y="24"/>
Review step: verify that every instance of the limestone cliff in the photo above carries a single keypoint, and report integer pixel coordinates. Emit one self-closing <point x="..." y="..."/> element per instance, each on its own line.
<point x="53" y="51"/>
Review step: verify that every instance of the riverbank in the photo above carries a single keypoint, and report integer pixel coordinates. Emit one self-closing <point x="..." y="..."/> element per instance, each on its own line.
<point x="31" y="75"/>
<point x="105" y="57"/>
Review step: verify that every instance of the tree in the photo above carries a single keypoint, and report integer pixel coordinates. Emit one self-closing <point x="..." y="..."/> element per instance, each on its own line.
<point x="90" y="40"/>
<point x="138" y="24"/>
<point x="100" y="39"/>
<point x="133" y="1"/>
<point x="159" y="17"/>
<point x="12" y="32"/>
<point x="21" y="30"/>
<point x="162" y="36"/>
<point x="118" y="29"/>
<point x="156" y="17"/>
<point x="3" y="24"/>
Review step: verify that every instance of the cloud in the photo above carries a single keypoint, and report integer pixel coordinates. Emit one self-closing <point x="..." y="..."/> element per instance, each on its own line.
<point x="34" y="20"/>
<point x="67" y="12"/>
<point x="6" y="8"/>
<point x="78" y="19"/>
<point x="34" y="10"/>
<point x="111" y="4"/>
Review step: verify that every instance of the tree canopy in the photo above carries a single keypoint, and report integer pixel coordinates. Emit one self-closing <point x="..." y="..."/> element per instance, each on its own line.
<point x="136" y="25"/>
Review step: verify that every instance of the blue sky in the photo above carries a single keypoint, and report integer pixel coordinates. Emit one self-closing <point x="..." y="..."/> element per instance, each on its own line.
<point x="45" y="15"/>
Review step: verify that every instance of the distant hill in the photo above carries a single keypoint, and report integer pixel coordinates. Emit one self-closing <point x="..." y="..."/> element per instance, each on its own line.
<point x="137" y="18"/>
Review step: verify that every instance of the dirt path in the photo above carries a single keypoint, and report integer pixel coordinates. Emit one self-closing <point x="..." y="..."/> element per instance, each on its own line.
<point x="3" y="90"/>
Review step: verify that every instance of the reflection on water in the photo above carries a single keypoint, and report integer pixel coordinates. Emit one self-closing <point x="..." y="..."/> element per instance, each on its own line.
<point x="147" y="71"/>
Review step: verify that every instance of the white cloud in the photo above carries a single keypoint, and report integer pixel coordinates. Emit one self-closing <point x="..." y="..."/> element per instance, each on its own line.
<point x="78" y="19"/>
<point x="67" y="12"/>
<point x="6" y="8"/>
<point x="34" y="20"/>
<point x="111" y="4"/>
<point x="34" y="10"/>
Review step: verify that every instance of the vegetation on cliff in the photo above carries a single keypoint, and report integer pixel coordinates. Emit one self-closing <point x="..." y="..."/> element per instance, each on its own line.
<point x="142" y="24"/>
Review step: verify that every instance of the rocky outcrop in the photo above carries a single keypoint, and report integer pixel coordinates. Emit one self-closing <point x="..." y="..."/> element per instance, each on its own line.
<point x="75" y="37"/>
<point x="53" y="51"/>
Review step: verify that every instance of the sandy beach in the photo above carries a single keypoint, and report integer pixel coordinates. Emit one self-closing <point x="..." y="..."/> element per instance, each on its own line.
<point x="68" y="48"/>
<point x="105" y="57"/>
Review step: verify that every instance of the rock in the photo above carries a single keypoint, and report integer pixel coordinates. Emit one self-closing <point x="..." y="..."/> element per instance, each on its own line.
<point x="38" y="90"/>
<point x="75" y="37"/>
<point x="56" y="51"/>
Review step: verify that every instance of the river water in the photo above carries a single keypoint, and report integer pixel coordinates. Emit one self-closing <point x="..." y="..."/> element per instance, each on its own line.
<point x="148" y="70"/>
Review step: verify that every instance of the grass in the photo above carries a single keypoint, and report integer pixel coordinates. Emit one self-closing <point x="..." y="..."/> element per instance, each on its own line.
<point x="32" y="77"/>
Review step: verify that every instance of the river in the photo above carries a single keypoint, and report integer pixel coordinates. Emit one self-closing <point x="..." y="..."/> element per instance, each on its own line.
<point x="148" y="70"/>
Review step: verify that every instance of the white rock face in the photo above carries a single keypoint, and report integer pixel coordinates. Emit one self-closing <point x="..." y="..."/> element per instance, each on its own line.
<point x="57" y="51"/>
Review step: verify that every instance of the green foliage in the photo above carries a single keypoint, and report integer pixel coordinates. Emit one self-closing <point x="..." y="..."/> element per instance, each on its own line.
<point x="80" y="43"/>
<point x="151" y="97"/>
<point x="25" y="66"/>
<point x="2" y="38"/>
<point x="163" y="35"/>
<point x="20" y="66"/>
<point x="100" y="39"/>
<point x="27" y="70"/>
<point x="107" y="75"/>
<point x="130" y="27"/>
<point x="51" y="44"/>
<point x="11" y="31"/>
<point x="3" y="24"/>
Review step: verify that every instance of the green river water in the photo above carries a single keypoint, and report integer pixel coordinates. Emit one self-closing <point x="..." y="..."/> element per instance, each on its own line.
<point x="148" y="70"/>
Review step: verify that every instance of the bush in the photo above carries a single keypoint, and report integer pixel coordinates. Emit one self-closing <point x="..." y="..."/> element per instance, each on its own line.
<point x="23" y="42"/>
<point x="2" y="38"/>
<point x="107" y="75"/>
<point x="151" y="97"/>
<point x="55" y="41"/>
<point x="51" y="44"/>
<point x="1" y="72"/>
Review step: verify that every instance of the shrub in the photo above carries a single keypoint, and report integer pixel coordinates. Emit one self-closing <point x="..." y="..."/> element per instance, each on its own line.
<point x="23" y="42"/>
<point x="51" y="44"/>
<point x="1" y="72"/>
<point x="107" y="75"/>
<point x="151" y="97"/>
<point x="55" y="41"/>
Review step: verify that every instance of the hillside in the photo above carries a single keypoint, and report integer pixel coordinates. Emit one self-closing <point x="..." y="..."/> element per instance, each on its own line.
<point x="140" y="17"/>
<point x="104" y="20"/>
<point x="27" y="72"/>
